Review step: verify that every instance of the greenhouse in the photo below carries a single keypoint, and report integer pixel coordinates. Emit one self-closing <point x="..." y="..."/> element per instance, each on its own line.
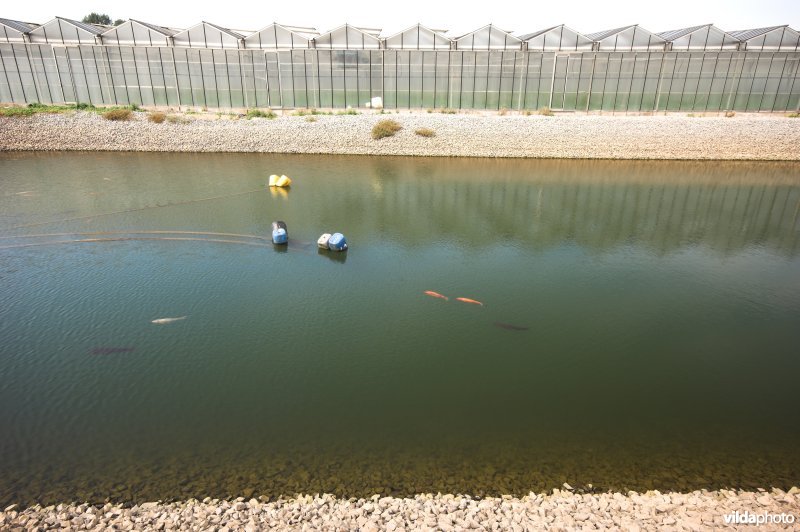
<point x="625" y="69"/>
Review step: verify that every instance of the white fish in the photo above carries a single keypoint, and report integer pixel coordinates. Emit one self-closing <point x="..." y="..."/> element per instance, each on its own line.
<point x="161" y="321"/>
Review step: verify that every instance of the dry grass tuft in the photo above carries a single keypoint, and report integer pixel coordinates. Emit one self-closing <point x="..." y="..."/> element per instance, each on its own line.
<point x="118" y="114"/>
<point x="157" y="117"/>
<point x="545" y="111"/>
<point x="425" y="132"/>
<point x="385" y="128"/>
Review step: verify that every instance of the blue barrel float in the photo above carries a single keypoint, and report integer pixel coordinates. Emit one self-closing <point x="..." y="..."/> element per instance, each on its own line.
<point x="279" y="234"/>
<point x="333" y="242"/>
<point x="337" y="242"/>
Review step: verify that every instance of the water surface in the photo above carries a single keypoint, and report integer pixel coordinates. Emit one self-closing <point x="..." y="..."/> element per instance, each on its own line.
<point x="638" y="327"/>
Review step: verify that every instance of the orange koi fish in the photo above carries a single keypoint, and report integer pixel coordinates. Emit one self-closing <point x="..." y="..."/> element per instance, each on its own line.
<point x="436" y="294"/>
<point x="468" y="300"/>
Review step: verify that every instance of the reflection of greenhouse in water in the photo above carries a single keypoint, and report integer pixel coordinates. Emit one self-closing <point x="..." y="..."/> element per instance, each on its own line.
<point x="626" y="69"/>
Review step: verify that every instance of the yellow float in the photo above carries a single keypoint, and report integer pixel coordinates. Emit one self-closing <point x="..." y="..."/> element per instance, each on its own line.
<point x="282" y="181"/>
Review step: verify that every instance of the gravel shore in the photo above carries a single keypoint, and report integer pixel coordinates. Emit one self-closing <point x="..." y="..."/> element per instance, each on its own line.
<point x="742" y="137"/>
<point x="561" y="510"/>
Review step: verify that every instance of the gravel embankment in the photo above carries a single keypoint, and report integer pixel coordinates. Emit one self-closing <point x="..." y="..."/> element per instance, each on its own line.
<point x="699" y="510"/>
<point x="742" y="137"/>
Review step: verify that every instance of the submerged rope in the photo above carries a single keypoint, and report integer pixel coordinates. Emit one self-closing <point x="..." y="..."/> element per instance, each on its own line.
<point x="125" y="239"/>
<point x="188" y="202"/>
<point x="135" y="233"/>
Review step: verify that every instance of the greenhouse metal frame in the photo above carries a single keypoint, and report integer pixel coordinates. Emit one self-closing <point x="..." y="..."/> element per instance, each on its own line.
<point x="627" y="69"/>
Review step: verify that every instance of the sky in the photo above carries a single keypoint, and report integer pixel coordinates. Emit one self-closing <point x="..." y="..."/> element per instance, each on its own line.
<point x="459" y="17"/>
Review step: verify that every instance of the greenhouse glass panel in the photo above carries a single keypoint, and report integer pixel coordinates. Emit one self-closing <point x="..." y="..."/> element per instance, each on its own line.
<point x="142" y="69"/>
<point x="641" y="64"/>
<point x="455" y="76"/>
<point x="122" y="34"/>
<point x="47" y="59"/>
<point x="390" y="79"/>
<point x="558" y="38"/>
<point x="351" y="81"/>
<point x="624" y="82"/>
<point x="584" y="82"/>
<point x="207" y="35"/>
<point x="12" y="31"/>
<point x="428" y="77"/>
<point x="299" y="74"/>
<point x="116" y="75"/>
<point x="218" y="76"/>
<point x="600" y="73"/>
<point x="718" y="80"/>
<point x="646" y="40"/>
<point x="441" y="80"/>
<point x="62" y="64"/>
<point x="249" y="81"/>
<point x="196" y="77"/>
<point x="183" y="76"/>
<point x="418" y="37"/>
<point x="19" y="73"/>
<point x="558" y="82"/>
<point x="671" y="71"/>
<point x="376" y="74"/>
<point x="533" y="79"/>
<point x="745" y="81"/>
<point x="64" y="31"/>
<point x="91" y="74"/>
<point x="286" y="78"/>
<point x="706" y="37"/>
<point x="508" y="66"/>
<point x="103" y="73"/>
<point x="277" y="36"/>
<point x="168" y="76"/>
<point x="273" y="79"/>
<point x="415" y="81"/>
<point x="79" y="80"/>
<point x="37" y="74"/>
<point x="782" y="94"/>
<point x="338" y="78"/>
<point x="235" y="75"/>
<point x="347" y="37"/>
<point x="131" y="75"/>
<point x="364" y="78"/>
<point x="6" y="86"/>
<point x="494" y="66"/>
<point x="480" y="80"/>
<point x="468" y="73"/>
<point x="610" y="82"/>
<point x="403" y="77"/>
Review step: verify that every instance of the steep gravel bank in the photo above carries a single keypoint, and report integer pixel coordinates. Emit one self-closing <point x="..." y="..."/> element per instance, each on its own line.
<point x="743" y="137"/>
<point x="562" y="510"/>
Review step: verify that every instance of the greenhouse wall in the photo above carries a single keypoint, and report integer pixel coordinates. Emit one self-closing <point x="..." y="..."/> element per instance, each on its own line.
<point x="630" y="81"/>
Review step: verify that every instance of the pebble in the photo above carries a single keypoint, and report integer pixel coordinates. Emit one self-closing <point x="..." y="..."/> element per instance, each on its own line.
<point x="569" y="135"/>
<point x="697" y="510"/>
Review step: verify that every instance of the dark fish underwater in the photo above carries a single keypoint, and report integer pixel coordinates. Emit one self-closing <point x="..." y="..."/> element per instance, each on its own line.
<point x="111" y="350"/>
<point x="510" y="327"/>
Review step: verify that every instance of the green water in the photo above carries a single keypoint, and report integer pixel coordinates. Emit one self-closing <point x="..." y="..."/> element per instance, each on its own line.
<point x="639" y="327"/>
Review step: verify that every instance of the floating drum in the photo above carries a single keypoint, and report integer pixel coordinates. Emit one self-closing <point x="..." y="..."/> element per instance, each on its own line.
<point x="337" y="242"/>
<point x="282" y="181"/>
<point x="279" y="233"/>
<point x="323" y="240"/>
